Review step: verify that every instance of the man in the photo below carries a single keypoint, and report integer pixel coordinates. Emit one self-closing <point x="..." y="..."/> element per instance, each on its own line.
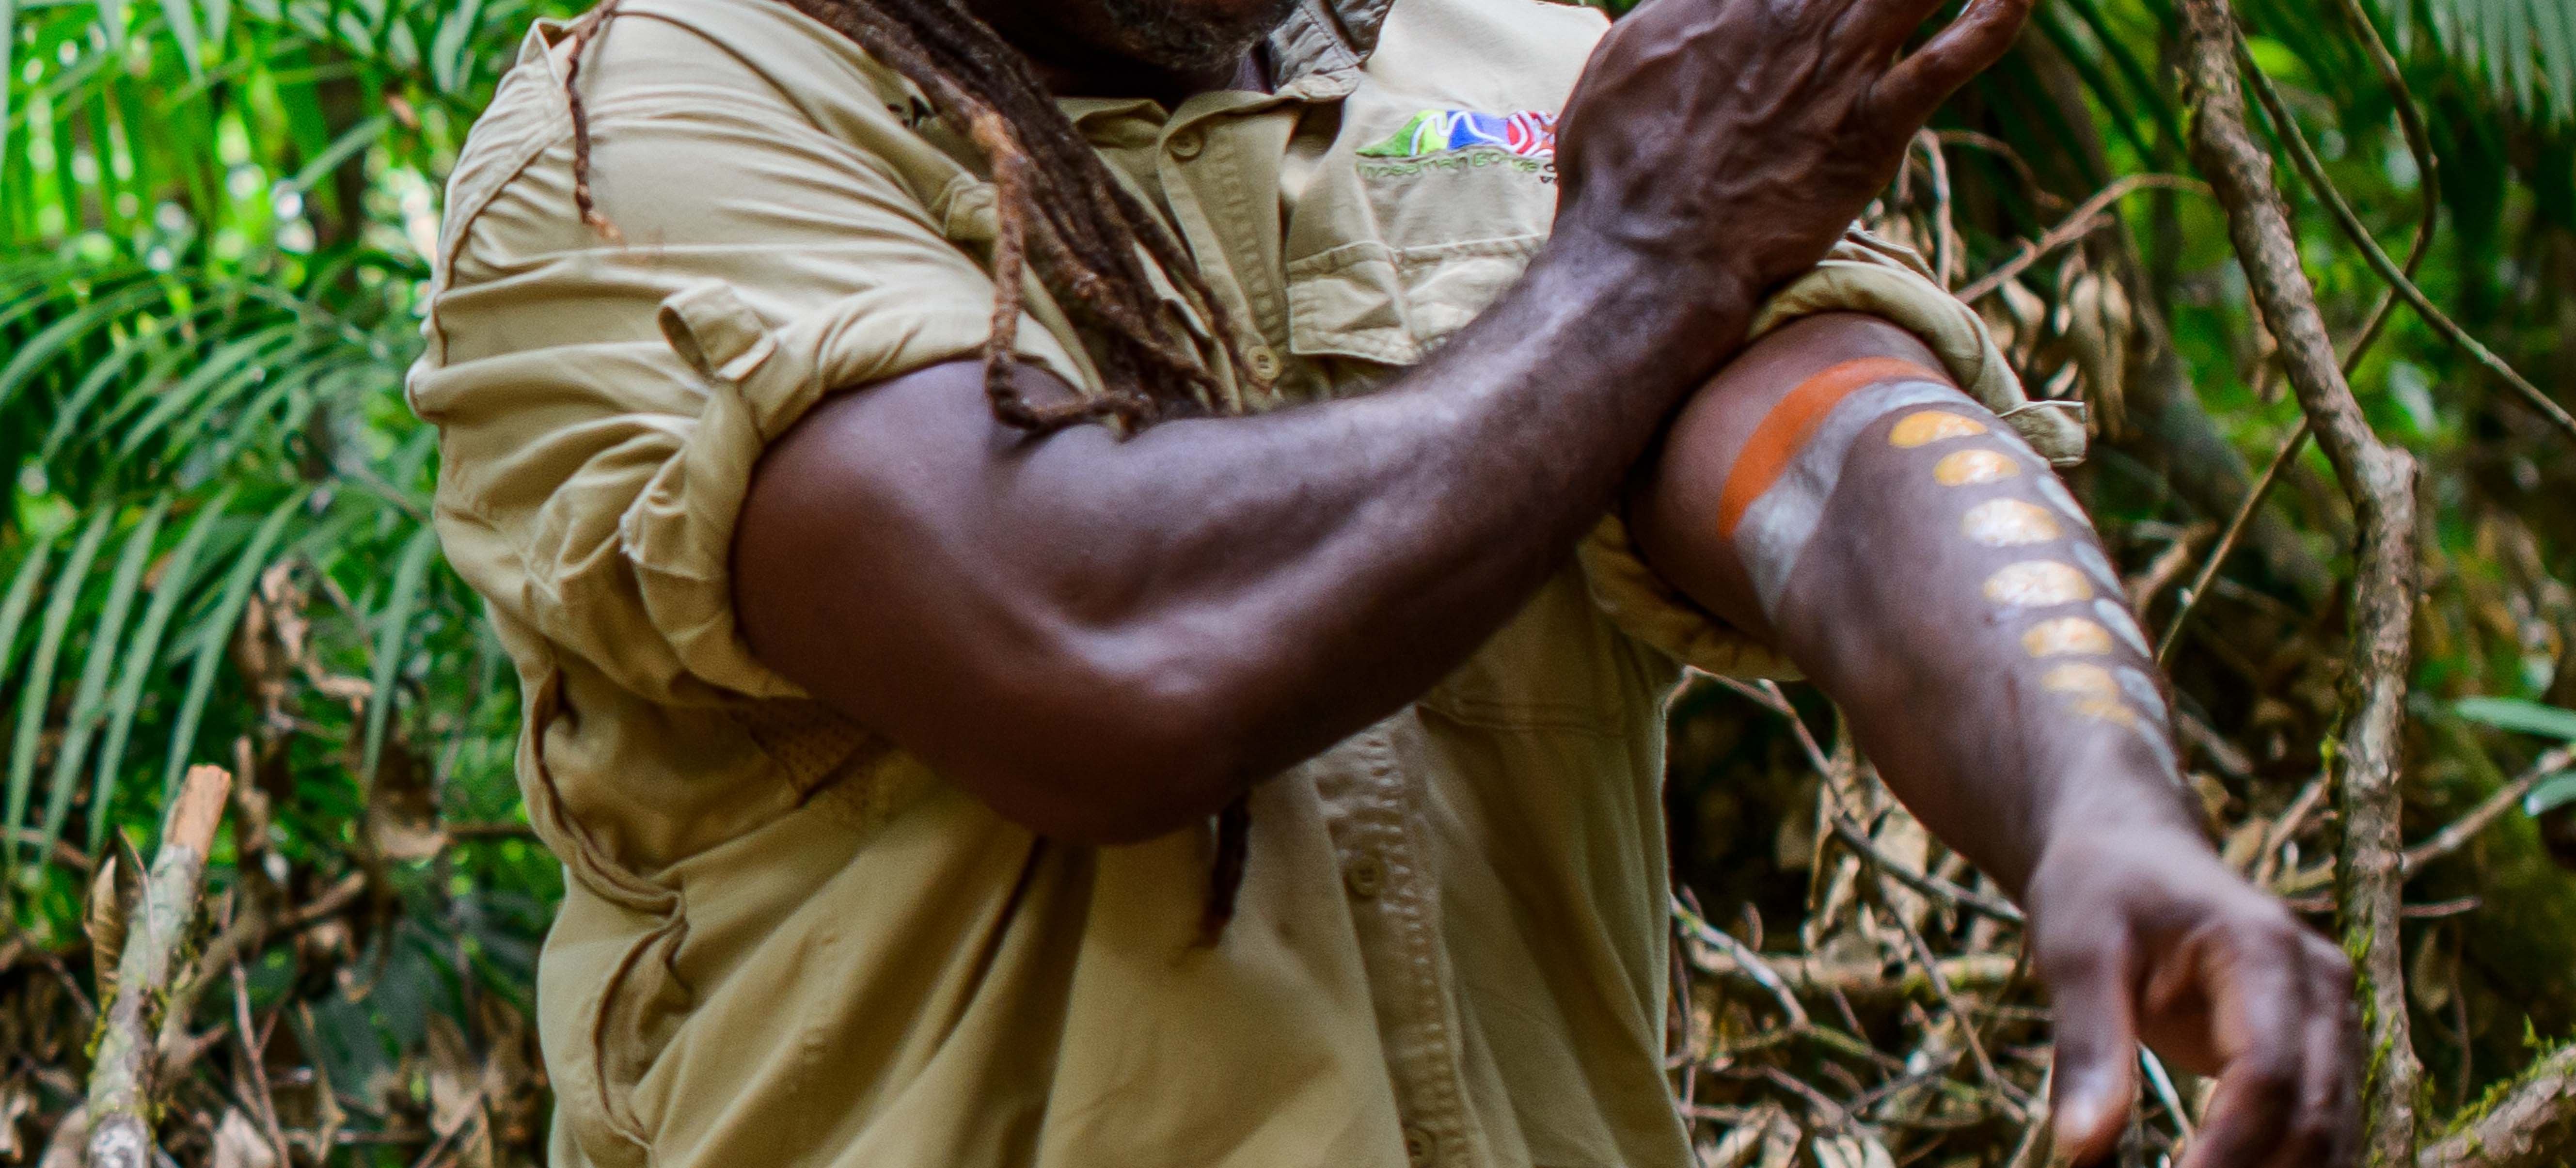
<point x="1041" y="540"/>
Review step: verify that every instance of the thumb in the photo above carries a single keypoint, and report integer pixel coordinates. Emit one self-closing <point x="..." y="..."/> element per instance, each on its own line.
<point x="2096" y="1075"/>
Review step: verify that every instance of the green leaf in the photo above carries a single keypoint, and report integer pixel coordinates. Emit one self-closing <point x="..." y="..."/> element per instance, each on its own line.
<point x="60" y="335"/>
<point x="355" y="139"/>
<point x="2551" y="793"/>
<point x="143" y="653"/>
<point x="89" y="697"/>
<point x="182" y="15"/>
<point x="218" y="629"/>
<point x="2521" y="716"/>
<point x="392" y="631"/>
<point x="22" y="593"/>
<point x="36" y="698"/>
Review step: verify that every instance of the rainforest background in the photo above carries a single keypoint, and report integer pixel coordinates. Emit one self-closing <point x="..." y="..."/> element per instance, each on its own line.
<point x="215" y="218"/>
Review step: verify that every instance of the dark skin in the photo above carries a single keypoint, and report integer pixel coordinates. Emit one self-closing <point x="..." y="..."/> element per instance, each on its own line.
<point x="1174" y="616"/>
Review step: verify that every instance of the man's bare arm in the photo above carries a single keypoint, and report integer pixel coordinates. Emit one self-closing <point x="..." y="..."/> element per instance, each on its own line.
<point x="1106" y="640"/>
<point x="1833" y="490"/>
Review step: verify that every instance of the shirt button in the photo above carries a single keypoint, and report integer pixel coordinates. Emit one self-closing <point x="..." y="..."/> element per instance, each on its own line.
<point x="1419" y="1146"/>
<point x="1366" y="877"/>
<point x="1187" y="144"/>
<point x="1264" y="362"/>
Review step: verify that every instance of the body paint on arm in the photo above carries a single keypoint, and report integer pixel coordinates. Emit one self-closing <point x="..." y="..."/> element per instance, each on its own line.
<point x="1775" y="494"/>
<point x="2054" y="582"/>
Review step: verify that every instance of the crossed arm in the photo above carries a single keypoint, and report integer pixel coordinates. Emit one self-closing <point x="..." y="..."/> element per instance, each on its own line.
<point x="1174" y="616"/>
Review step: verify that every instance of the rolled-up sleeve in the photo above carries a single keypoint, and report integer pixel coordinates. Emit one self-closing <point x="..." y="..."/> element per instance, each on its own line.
<point x="602" y="403"/>
<point x="1862" y="274"/>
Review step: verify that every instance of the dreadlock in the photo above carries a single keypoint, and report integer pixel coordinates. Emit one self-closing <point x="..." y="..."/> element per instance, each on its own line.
<point x="1062" y="214"/>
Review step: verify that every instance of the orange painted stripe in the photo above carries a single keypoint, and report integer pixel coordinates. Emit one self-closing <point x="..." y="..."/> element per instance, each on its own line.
<point x="1785" y="430"/>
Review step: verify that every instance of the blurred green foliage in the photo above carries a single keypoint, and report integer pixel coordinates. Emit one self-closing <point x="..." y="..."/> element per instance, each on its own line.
<point x="216" y="218"/>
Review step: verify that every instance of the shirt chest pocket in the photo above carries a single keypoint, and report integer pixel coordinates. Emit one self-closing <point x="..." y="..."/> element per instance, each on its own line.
<point x="1405" y="235"/>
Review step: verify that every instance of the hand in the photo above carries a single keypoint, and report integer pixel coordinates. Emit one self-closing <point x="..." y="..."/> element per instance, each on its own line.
<point x="2147" y="935"/>
<point x="1741" y="137"/>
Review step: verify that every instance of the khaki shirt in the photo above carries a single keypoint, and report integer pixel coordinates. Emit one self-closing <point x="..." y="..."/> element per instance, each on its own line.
<point x="784" y="941"/>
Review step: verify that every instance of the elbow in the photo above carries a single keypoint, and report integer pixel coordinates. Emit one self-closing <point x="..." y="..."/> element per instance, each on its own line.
<point x="1115" y="752"/>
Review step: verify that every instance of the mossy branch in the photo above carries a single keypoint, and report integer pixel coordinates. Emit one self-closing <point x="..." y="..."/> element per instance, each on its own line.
<point x="2380" y="481"/>
<point x="2527" y="1122"/>
<point x="121" y="1106"/>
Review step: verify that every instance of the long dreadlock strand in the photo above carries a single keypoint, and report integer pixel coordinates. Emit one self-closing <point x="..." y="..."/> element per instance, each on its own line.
<point x="1094" y="240"/>
<point x="1062" y="216"/>
<point x="583" y="31"/>
<point x="1225" y="873"/>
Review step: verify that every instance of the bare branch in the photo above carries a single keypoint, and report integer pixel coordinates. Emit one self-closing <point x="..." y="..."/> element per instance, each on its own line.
<point x="2461" y="830"/>
<point x="2529" y="1123"/>
<point x="2381" y="484"/>
<point x="2083" y="221"/>
<point x="121" y="1082"/>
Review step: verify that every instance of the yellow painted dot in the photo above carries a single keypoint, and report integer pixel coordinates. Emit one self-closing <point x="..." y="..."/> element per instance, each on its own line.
<point x="1932" y="426"/>
<point x="2081" y="680"/>
<point x="2106" y="710"/>
<point x="2066" y="636"/>
<point x="1965" y="468"/>
<point x="2009" y="523"/>
<point x="2037" y="584"/>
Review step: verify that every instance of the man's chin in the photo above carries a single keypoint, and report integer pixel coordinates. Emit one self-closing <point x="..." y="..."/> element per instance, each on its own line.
<point x="1192" y="36"/>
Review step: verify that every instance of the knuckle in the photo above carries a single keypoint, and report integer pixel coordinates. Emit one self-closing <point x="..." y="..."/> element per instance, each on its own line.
<point x="2273" y="1076"/>
<point x="2329" y="960"/>
<point x="2312" y="1137"/>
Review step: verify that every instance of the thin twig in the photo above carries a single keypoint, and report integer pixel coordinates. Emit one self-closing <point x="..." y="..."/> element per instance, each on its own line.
<point x="2086" y="219"/>
<point x="2013" y="1102"/>
<point x="2461" y="830"/>
<point x="2380" y="481"/>
<point x="2163" y="1084"/>
<point x="123" y="1078"/>
<point x="2295" y="817"/>
<point x="1768" y="695"/>
<point x="2189" y="599"/>
<point x="1932" y="886"/>
<point x="2306" y="159"/>
<point x="2410" y="118"/>
<point x="254" y="1051"/>
<point x="1744" y="958"/>
<point x="2530" y="1124"/>
<point x="1945" y="229"/>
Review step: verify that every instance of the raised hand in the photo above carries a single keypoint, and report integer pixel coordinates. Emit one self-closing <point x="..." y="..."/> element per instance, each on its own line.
<point x="1740" y="137"/>
<point x="2148" y="937"/>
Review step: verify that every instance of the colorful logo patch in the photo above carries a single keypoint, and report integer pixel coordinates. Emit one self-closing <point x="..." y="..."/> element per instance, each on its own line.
<point x="1529" y="133"/>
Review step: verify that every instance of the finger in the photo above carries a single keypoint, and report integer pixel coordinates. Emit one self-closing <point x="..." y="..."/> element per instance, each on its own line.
<point x="2326" y="1130"/>
<point x="2093" y="988"/>
<point x="2259" y="1004"/>
<point x="1915" y="86"/>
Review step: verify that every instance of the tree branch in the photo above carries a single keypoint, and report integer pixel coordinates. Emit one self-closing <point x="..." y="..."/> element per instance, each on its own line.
<point x="2528" y="1123"/>
<point x="2381" y="483"/>
<point x="120" y="1084"/>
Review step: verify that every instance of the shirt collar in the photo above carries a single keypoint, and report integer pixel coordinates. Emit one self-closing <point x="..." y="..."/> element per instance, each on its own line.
<point x="1322" y="41"/>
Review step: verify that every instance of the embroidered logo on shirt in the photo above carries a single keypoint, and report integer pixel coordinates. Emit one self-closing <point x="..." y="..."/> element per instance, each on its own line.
<point x="1529" y="134"/>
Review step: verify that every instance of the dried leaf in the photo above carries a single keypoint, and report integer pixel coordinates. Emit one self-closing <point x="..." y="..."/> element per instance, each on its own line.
<point x="402" y="808"/>
<point x="112" y="895"/>
<point x="239" y="1144"/>
<point x="1746" y="1140"/>
<point x="455" y="1078"/>
<point x="69" y="1148"/>
<point x="2433" y="976"/>
<point x="15" y="1102"/>
<point x="1852" y="1151"/>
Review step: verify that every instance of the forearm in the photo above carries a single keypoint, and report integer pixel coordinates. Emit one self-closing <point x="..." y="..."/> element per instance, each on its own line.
<point x="1925" y="569"/>
<point x="1368" y="544"/>
<point x="1992" y="674"/>
<point x="1243" y="590"/>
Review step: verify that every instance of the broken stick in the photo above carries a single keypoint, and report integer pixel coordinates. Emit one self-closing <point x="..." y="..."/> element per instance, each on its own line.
<point x="121" y="1081"/>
